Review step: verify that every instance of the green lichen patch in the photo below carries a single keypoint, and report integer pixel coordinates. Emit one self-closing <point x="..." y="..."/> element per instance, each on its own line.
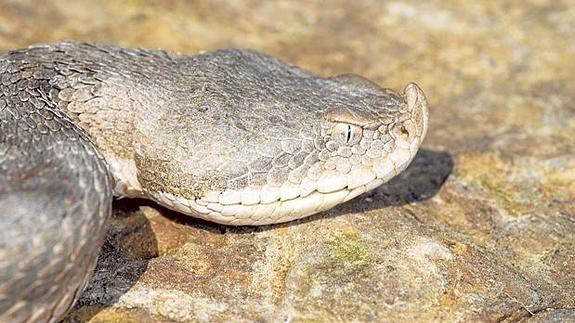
<point x="348" y="249"/>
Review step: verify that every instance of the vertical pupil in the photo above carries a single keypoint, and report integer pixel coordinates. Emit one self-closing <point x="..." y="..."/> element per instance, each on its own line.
<point x="348" y="137"/>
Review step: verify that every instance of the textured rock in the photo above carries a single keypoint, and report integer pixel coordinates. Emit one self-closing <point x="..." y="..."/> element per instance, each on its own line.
<point x="480" y="227"/>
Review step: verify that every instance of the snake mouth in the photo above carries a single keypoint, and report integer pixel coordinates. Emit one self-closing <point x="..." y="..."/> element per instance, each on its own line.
<point x="263" y="213"/>
<point x="255" y="206"/>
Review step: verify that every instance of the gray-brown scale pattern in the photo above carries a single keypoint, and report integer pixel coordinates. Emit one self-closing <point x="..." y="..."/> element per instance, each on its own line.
<point x="55" y="196"/>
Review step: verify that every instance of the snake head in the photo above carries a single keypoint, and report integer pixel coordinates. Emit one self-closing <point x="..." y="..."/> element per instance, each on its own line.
<point x="270" y="142"/>
<point x="349" y="151"/>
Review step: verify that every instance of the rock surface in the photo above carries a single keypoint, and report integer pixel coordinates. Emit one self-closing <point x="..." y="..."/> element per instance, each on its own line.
<point x="480" y="227"/>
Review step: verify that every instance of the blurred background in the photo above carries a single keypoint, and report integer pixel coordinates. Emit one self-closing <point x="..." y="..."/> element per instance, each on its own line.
<point x="484" y="53"/>
<point x="482" y="225"/>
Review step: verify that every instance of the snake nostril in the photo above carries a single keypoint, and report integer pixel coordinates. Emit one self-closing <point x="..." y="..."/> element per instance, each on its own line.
<point x="404" y="132"/>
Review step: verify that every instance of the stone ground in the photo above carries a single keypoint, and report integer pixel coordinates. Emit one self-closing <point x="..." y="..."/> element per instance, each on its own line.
<point x="480" y="227"/>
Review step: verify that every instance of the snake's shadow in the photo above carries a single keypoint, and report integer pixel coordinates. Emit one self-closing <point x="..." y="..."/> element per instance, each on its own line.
<point x="420" y="181"/>
<point x="129" y="245"/>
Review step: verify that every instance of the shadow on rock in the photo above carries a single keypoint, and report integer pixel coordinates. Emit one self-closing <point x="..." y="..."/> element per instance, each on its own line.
<point x="420" y="181"/>
<point x="129" y="245"/>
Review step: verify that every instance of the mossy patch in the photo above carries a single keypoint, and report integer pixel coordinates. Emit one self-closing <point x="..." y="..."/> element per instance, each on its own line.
<point x="348" y="249"/>
<point x="345" y="253"/>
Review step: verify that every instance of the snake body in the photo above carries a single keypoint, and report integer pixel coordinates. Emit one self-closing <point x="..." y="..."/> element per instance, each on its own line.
<point x="232" y="136"/>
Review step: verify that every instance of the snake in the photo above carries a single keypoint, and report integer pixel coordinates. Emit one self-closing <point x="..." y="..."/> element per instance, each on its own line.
<point x="231" y="136"/>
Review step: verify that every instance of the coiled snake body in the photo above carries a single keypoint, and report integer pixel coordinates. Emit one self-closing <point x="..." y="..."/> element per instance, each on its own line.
<point x="231" y="136"/>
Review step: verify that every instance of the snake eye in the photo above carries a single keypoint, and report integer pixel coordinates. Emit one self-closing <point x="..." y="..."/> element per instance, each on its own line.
<point x="346" y="133"/>
<point x="349" y="134"/>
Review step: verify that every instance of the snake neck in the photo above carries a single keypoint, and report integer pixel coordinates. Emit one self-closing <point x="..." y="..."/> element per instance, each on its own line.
<point x="55" y="192"/>
<point x="105" y="91"/>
